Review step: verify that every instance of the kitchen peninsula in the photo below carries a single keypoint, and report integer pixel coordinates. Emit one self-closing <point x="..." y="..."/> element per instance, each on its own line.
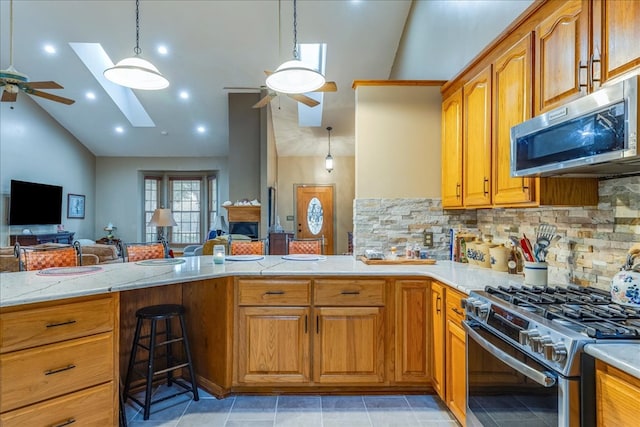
<point x="235" y="314"/>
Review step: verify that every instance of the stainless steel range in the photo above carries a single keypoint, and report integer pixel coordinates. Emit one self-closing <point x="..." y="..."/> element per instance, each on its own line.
<point x="525" y="363"/>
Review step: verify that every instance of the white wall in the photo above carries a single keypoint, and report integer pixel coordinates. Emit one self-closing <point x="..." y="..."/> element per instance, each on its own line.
<point x="34" y="147"/>
<point x="397" y="141"/>
<point x="119" y="185"/>
<point x="434" y="26"/>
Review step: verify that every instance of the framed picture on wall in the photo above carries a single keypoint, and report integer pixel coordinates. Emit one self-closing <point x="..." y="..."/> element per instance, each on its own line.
<point x="75" y="206"/>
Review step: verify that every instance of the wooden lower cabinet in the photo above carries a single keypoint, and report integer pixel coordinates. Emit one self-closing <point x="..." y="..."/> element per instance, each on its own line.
<point x="456" y="386"/>
<point x="59" y="362"/>
<point x="349" y="345"/>
<point x="617" y="395"/>
<point x="413" y="324"/>
<point x="273" y="345"/>
<point x="438" y="338"/>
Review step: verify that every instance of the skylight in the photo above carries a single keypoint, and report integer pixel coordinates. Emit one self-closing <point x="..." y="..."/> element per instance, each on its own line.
<point x="314" y="54"/>
<point x="96" y="60"/>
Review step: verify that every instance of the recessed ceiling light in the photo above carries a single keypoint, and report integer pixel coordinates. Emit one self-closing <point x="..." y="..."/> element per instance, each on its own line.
<point x="49" y="49"/>
<point x="184" y="94"/>
<point x="90" y="95"/>
<point x="201" y="129"/>
<point x="119" y="129"/>
<point x="164" y="132"/>
<point x="162" y="50"/>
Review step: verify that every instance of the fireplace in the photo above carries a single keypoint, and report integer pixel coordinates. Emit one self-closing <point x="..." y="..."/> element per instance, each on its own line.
<point x="244" y="220"/>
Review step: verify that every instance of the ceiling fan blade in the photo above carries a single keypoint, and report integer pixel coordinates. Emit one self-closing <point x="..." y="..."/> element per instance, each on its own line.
<point x="51" y="97"/>
<point x="42" y="85"/>
<point x="8" y="96"/>
<point x="264" y="101"/>
<point x="309" y="102"/>
<point x="328" y="87"/>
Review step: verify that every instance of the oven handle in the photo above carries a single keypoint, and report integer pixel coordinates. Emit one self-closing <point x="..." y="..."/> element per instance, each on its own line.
<point x="545" y="379"/>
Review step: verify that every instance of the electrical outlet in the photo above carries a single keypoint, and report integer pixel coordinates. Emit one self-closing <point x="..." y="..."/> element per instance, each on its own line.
<point x="428" y="239"/>
<point x="289" y="217"/>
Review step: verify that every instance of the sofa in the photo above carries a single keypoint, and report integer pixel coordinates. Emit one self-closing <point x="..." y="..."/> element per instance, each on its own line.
<point x="91" y="255"/>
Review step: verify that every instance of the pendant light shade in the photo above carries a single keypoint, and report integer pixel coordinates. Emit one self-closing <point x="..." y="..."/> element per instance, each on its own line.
<point x="294" y="76"/>
<point x="328" y="161"/>
<point x="135" y="72"/>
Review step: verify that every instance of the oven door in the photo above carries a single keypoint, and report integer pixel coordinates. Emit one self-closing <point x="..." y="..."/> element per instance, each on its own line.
<point x="505" y="387"/>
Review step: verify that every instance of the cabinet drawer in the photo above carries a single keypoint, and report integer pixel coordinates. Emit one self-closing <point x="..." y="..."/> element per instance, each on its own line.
<point x="349" y="292"/>
<point x="455" y="312"/>
<point x="33" y="375"/>
<point x="274" y="292"/>
<point x="33" y="327"/>
<point x="92" y="407"/>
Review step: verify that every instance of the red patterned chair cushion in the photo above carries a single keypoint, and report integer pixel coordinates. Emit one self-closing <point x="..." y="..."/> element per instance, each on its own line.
<point x="33" y="259"/>
<point x="247" y="248"/>
<point x="142" y="252"/>
<point x="305" y="247"/>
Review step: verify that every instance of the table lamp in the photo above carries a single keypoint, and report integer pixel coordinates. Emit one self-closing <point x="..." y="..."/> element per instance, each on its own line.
<point x="162" y="218"/>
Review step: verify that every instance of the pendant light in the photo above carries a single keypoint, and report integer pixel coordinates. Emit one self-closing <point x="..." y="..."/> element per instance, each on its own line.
<point x="135" y="72"/>
<point x="328" y="161"/>
<point x="295" y="76"/>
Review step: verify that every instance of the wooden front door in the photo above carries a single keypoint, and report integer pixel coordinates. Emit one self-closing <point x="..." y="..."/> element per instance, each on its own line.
<point x="314" y="214"/>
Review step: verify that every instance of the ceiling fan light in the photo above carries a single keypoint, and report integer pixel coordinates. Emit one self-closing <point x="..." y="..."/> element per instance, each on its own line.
<point x="295" y="77"/>
<point x="136" y="73"/>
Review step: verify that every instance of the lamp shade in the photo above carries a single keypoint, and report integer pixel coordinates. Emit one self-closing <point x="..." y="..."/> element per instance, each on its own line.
<point x="328" y="163"/>
<point x="162" y="218"/>
<point x="295" y="77"/>
<point x="136" y="73"/>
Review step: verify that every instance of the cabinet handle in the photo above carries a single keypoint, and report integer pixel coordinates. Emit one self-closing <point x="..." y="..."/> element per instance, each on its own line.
<point x="456" y="311"/>
<point x="438" y="304"/>
<point x="64" y="423"/>
<point x="274" y="293"/>
<point x="55" y="371"/>
<point x="306" y="318"/>
<point x="350" y="292"/>
<point x="580" y="68"/>
<point x="317" y="324"/>
<point x="68" y="322"/>
<point x="484" y="186"/>
<point x="458" y="187"/>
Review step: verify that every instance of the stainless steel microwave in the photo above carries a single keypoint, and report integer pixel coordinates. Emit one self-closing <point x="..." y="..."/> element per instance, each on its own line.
<point x="596" y="135"/>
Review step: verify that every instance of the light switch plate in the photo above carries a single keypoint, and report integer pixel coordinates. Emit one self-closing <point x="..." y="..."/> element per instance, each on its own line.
<point x="289" y="217"/>
<point x="428" y="239"/>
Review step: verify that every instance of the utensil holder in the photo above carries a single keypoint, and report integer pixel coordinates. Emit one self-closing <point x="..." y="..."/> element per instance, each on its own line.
<point x="535" y="273"/>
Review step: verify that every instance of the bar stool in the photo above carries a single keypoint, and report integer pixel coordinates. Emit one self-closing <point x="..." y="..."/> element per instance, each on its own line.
<point x="154" y="314"/>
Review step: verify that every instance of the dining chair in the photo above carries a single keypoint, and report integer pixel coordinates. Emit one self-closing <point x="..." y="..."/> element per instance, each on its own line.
<point x="36" y="258"/>
<point x="248" y="247"/>
<point x="132" y="252"/>
<point x="306" y="246"/>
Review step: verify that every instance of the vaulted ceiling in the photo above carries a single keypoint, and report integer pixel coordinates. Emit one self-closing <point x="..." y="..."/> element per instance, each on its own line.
<point x="213" y="44"/>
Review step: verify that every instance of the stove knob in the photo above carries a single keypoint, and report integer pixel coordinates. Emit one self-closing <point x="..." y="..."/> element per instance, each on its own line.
<point x="467" y="304"/>
<point x="555" y="352"/>
<point x="538" y="343"/>
<point x="525" y="336"/>
<point x="483" y="310"/>
<point x="476" y="307"/>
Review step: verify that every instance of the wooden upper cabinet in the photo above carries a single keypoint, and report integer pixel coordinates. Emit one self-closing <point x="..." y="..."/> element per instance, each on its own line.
<point x="452" y="151"/>
<point x="616" y="34"/>
<point x="562" y="58"/>
<point x="477" y="140"/>
<point x="512" y="94"/>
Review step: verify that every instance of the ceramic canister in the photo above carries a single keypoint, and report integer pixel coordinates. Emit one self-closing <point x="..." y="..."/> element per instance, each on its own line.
<point x="535" y="273"/>
<point x="483" y="251"/>
<point x="499" y="257"/>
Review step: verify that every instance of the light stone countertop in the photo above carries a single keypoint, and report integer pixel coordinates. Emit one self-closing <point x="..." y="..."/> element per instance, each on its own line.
<point x="29" y="287"/>
<point x="623" y="356"/>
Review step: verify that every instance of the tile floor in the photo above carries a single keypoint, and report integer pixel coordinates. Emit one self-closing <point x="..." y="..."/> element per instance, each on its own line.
<point x="294" y="411"/>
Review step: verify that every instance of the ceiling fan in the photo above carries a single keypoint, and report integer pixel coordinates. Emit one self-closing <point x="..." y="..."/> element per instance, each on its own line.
<point x="14" y="81"/>
<point x="271" y="94"/>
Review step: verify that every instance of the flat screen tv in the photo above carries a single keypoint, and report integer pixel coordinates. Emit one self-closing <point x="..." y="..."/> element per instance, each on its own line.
<point x="33" y="204"/>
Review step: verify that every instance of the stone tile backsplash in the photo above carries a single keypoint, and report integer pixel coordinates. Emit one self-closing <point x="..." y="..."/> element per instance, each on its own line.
<point x="594" y="240"/>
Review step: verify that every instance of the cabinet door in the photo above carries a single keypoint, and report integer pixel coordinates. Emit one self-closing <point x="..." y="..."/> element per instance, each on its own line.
<point x="616" y="34"/>
<point x="437" y="321"/>
<point x="452" y="151"/>
<point x="456" y="387"/>
<point x="477" y="140"/>
<point x="562" y="42"/>
<point x="412" y="331"/>
<point x="349" y="345"/>
<point x="616" y="396"/>
<point x="273" y="345"/>
<point x="512" y="95"/>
